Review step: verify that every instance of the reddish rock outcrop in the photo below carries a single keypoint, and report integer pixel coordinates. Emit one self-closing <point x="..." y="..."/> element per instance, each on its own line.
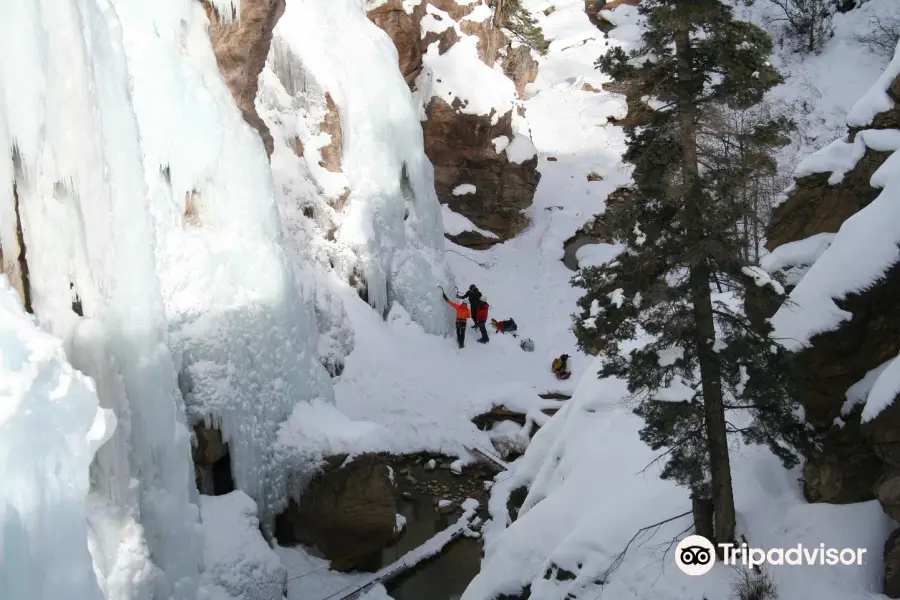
<point x="331" y="124"/>
<point x="461" y="149"/>
<point x="461" y="146"/>
<point x="241" y="47"/>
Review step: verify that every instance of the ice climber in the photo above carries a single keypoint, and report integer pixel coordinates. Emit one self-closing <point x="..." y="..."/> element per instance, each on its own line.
<point x="560" y="367"/>
<point x="474" y="298"/>
<point x="462" y="317"/>
<point x="481" y="317"/>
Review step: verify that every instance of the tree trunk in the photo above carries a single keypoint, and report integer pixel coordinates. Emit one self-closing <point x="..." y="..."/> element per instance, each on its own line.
<point x="710" y="369"/>
<point x="702" y="509"/>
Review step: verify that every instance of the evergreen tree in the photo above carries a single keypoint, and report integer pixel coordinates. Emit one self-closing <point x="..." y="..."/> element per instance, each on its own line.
<point x="707" y="371"/>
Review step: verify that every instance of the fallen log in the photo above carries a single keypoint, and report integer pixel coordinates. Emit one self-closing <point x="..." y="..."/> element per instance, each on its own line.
<point x="490" y="457"/>
<point x="431" y="548"/>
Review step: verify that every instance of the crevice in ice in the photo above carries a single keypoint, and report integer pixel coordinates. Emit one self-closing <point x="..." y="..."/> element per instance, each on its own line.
<point x="22" y="259"/>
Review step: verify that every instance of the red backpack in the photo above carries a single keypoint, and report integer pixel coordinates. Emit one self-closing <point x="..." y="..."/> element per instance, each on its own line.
<point x="482" y="313"/>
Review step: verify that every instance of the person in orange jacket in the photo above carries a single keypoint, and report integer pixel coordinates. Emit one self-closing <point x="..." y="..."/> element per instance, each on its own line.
<point x="462" y="317"/>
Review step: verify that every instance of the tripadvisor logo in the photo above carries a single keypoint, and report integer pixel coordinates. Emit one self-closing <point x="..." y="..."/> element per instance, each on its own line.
<point x="696" y="555"/>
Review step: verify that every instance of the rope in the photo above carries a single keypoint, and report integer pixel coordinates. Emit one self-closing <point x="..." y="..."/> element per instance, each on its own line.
<point x="483" y="265"/>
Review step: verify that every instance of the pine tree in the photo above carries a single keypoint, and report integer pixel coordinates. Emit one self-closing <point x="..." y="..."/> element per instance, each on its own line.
<point x="706" y="371"/>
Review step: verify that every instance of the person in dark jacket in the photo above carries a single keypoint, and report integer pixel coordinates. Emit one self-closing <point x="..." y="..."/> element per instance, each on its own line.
<point x="474" y="298"/>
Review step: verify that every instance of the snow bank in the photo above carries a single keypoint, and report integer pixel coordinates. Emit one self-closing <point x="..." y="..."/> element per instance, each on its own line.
<point x="50" y="428"/>
<point x="392" y="219"/>
<point x="236" y="557"/>
<point x="841" y="156"/>
<point x="876" y="100"/>
<point x="590" y="494"/>
<point x="595" y="255"/>
<point x="455" y="224"/>
<point x="795" y="258"/>
<point x="462" y="80"/>
<point x="884" y="391"/>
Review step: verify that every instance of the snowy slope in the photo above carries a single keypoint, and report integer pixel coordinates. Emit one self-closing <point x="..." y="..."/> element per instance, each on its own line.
<point x="589" y="495"/>
<point x="820" y="90"/>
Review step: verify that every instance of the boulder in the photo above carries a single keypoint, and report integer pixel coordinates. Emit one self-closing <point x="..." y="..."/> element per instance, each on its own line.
<point x="461" y="149"/>
<point x="892" y="565"/>
<point x="819" y="207"/>
<point x="887" y="490"/>
<point x="348" y="512"/>
<point x="210" y="448"/>
<point x="241" y="47"/>
<point x="845" y="472"/>
<point x="212" y="462"/>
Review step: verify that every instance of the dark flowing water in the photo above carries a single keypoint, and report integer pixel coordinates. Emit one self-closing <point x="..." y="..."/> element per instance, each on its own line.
<point x="572" y="248"/>
<point x="445" y="576"/>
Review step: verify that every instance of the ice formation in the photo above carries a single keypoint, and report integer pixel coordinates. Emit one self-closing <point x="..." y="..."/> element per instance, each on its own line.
<point x="50" y="427"/>
<point x="245" y="331"/>
<point x="75" y="181"/>
<point x="389" y="230"/>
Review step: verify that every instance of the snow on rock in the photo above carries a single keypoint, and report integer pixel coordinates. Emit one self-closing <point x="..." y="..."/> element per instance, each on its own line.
<point x="509" y="437"/>
<point x="858" y="392"/>
<point x="392" y="219"/>
<point x="236" y="558"/>
<point x="462" y="80"/>
<point x="50" y="428"/>
<point x="500" y="143"/>
<point x="479" y="14"/>
<point x="435" y="21"/>
<point x="317" y="429"/>
<point x="455" y="223"/>
<point x="876" y="100"/>
<point x="761" y="278"/>
<point x="795" y="258"/>
<point x="462" y="190"/>
<point x="595" y="255"/>
<point x="884" y="391"/>
<point x="842" y="156"/>
<point x="520" y="149"/>
<point x="864" y="248"/>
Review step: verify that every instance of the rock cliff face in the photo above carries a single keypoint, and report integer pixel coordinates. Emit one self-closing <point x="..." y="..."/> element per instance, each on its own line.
<point x="241" y="47"/>
<point x="859" y="462"/>
<point x="461" y="145"/>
